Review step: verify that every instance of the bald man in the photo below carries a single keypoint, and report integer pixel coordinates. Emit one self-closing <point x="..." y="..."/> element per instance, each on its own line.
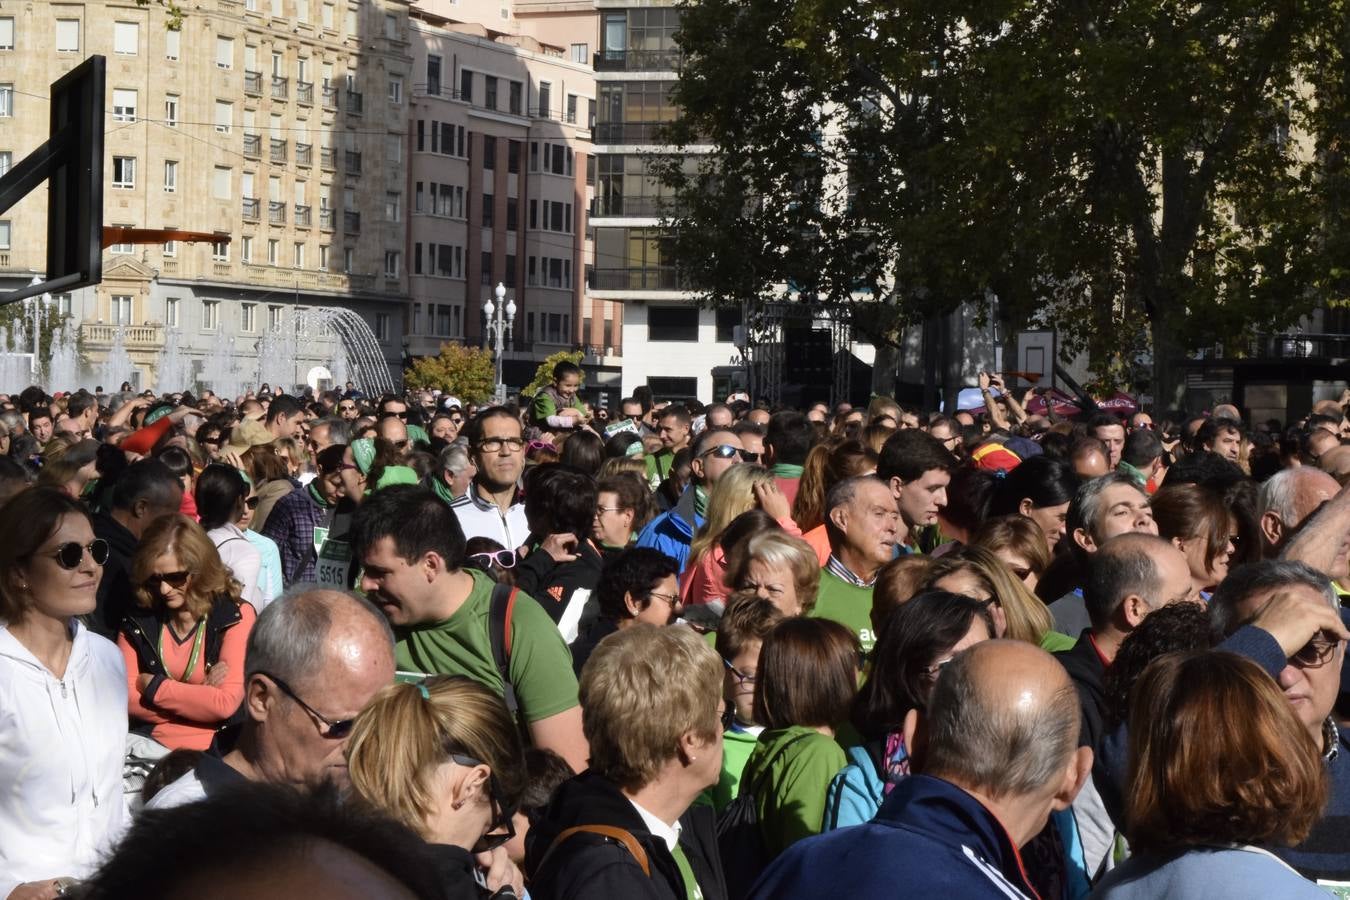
<point x="994" y="755"/>
<point x="314" y="660"/>
<point x="1286" y="500"/>
<point x="1336" y="463"/>
<point x="1319" y="443"/>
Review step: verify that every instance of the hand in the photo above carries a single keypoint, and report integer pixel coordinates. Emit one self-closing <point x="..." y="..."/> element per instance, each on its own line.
<point x="182" y="413"/>
<point x="216" y="675"/>
<point x="143" y="681"/>
<point x="231" y="457"/>
<point x="984" y="381"/>
<point x="562" y="547"/>
<point x="772" y="500"/>
<point x="996" y="380"/>
<point x="35" y="890"/>
<point x="501" y="872"/>
<point x="1293" y="619"/>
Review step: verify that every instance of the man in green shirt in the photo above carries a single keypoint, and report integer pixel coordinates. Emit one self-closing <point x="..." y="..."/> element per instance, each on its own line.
<point x="556" y="406"/>
<point x="673" y="428"/>
<point x="411" y="549"/>
<point x="863" y="525"/>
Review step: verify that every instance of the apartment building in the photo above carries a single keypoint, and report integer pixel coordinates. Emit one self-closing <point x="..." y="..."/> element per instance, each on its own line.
<point x="280" y="123"/>
<point x="499" y="127"/>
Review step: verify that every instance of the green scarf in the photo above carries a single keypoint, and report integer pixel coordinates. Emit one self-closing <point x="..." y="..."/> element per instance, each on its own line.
<point x="442" y="490"/>
<point x="700" y="501"/>
<point x="786" y="470"/>
<point x="318" y="497"/>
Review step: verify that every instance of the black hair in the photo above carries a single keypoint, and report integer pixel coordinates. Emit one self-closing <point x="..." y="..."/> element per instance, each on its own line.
<point x="1142" y="446"/>
<point x="1102" y="420"/>
<point x="545" y="771"/>
<point x="560" y="500"/>
<point x="1205" y="468"/>
<point x="282" y="405"/>
<point x="473" y="431"/>
<point x="257" y="826"/>
<point x="565" y="368"/>
<point x="178" y="460"/>
<point x="1210" y="430"/>
<point x="217" y="492"/>
<point x="618" y="444"/>
<point x="146" y="479"/>
<point x="680" y="413"/>
<point x="909" y="453"/>
<point x="1043" y="480"/>
<point x="79" y="402"/>
<point x="968" y="497"/>
<point x="637" y="572"/>
<point x="38" y="412"/>
<point x="791" y="435"/>
<point x="329" y="459"/>
<point x="1176" y="626"/>
<point x="584" y="451"/>
<point x="415" y="518"/>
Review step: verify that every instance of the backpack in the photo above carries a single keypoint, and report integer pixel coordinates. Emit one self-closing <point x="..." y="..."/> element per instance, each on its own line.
<point x="500" y="608"/>
<point x="740" y="840"/>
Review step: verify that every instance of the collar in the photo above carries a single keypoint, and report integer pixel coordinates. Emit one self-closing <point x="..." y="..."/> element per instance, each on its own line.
<point x="211" y="770"/>
<point x="1106" y="663"/>
<point x="787" y="470"/>
<point x="669" y="834"/>
<point x="472" y="493"/>
<point x="844" y="573"/>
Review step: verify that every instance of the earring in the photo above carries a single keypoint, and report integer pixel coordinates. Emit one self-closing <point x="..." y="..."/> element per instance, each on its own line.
<point x="457" y="804"/>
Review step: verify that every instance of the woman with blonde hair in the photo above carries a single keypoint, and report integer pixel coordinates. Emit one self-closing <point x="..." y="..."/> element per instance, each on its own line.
<point x="69" y="463"/>
<point x="740" y="489"/>
<point x="444" y="757"/>
<point x="1019" y="543"/>
<point x="780" y="568"/>
<point x="184" y="643"/>
<point x="1018" y="614"/>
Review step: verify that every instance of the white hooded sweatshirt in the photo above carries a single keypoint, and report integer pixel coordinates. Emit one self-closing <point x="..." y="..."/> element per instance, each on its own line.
<point x="62" y="743"/>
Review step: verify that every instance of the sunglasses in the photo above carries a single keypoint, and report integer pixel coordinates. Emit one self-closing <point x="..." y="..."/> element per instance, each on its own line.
<point x="346" y="409"/>
<point x="252" y="502"/>
<point x="401" y="415"/>
<point x="332" y="729"/>
<point x="726" y="451"/>
<point x="502" y="828"/>
<point x="505" y="559"/>
<point x="70" y="554"/>
<point x="172" y="579"/>
<point x="1317" y="652"/>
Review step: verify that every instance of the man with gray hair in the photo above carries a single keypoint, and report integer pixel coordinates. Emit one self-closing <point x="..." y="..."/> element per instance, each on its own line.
<point x="862" y="522"/>
<point x="994" y="753"/>
<point x="313" y="662"/>
<point x="454" y="472"/>
<point x="1103" y="508"/>
<point x="1305" y="516"/>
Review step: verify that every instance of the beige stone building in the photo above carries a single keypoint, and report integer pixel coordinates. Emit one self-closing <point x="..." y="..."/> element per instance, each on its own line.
<point x="280" y="123"/>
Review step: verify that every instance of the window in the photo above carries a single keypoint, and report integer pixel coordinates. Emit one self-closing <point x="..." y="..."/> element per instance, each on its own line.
<point x="510" y="279"/>
<point x="171" y="110"/>
<point x="512" y="214"/>
<point x="220" y="251"/>
<point x="391" y="27"/>
<point x="122" y="248"/>
<point x="171" y="312"/>
<point x="120" y="308"/>
<point x="545" y="98"/>
<point x="391" y="262"/>
<point x="6" y="160"/>
<point x="514" y="94"/>
<point x="126" y="38"/>
<point x="274" y="316"/>
<point x="67" y="35"/>
<point x="395" y="88"/>
<point x="433" y="75"/>
<point x="323" y="257"/>
<point x="298" y="256"/>
<point x="224" y="52"/>
<point x="170" y="176"/>
<point x="672" y="323"/>
<point x="278" y="9"/>
<point x="351" y="21"/>
<point x="728" y="319"/>
<point x="302" y="11"/>
<point x="572" y="109"/>
<point x="382" y="326"/>
<point x="327" y="17"/>
<point x="671" y="386"/>
<point x="5" y="234"/>
<point x="581" y="53"/>
<point x="220" y="182"/>
<point x="489" y="152"/>
<point x="210" y="314"/>
<point x="393" y="203"/>
<point x="485" y="266"/>
<point x="466" y="85"/>
<point x="490" y="91"/>
<point x="171" y="42"/>
<point x="246" y="249"/>
<point x="124" y="172"/>
<point x="273" y="249"/>
<point x="6" y="100"/>
<point x="489" y="214"/>
<point x="248" y="317"/>
<point x="348" y="260"/>
<point x="393" y="148"/>
<point x="124" y="105"/>
<point x="224" y="116"/>
<point x="513" y="157"/>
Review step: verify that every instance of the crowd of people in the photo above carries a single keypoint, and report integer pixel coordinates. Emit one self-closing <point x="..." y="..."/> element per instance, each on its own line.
<point x="408" y="646"/>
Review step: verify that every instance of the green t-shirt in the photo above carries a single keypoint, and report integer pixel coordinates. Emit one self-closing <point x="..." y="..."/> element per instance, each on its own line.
<point x="847" y="604"/>
<point x="658" y="467"/>
<point x="540" y="666"/>
<point x="544" y="405"/>
<point x="736" y="749"/>
<point x="790" y="798"/>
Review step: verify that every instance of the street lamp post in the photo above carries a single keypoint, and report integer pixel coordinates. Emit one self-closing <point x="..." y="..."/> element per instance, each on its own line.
<point x="500" y="317"/>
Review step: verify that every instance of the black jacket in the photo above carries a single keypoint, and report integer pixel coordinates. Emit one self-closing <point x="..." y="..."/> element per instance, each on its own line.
<point x="588" y="640"/>
<point x="553" y="584"/>
<point x="1088" y="672"/>
<point x="588" y="866"/>
<point x="455" y="873"/>
<point x="115" y="594"/>
<point x="141" y="629"/>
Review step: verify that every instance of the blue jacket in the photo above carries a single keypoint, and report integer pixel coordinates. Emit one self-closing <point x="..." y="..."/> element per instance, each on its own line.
<point x="672" y="532"/>
<point x="1204" y="873"/>
<point x="929" y="839"/>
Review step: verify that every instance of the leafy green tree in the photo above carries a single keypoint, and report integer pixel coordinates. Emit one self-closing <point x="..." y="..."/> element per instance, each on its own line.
<point x="466" y="372"/>
<point x="543" y="376"/>
<point x="1144" y="175"/>
<point x="18" y="316"/>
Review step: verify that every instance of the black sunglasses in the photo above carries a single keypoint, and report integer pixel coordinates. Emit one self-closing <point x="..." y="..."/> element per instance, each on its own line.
<point x="503" y="827"/>
<point x="335" y="730"/>
<point x="70" y="554"/>
<point x="172" y="579"/>
<point x="726" y="451"/>
<point x="252" y="502"/>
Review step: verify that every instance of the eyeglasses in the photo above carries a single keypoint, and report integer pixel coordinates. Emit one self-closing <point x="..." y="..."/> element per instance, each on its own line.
<point x="600" y="509"/>
<point x="252" y="502"/>
<point x="401" y="445"/>
<point x="495" y="445"/>
<point x="401" y="415"/>
<point x="346" y="409"/>
<point x="502" y="828"/>
<point x="726" y="451"/>
<point x="543" y="445"/>
<point x="172" y="579"/>
<point x="741" y="677"/>
<point x="335" y="730"/>
<point x="1317" y="652"/>
<point x="938" y="665"/>
<point x="505" y="559"/>
<point x="70" y="554"/>
<point x="672" y="599"/>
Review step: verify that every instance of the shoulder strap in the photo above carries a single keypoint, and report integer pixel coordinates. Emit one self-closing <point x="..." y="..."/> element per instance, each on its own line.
<point x="499" y="633"/>
<point x="624" y="837"/>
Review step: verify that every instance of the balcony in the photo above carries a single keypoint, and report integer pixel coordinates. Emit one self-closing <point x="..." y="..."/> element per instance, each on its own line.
<point x="628" y="132"/>
<point x="351" y="222"/>
<point x="304" y="154"/>
<point x="631" y="206"/>
<point x="253" y="84"/>
<point x="276" y="212"/>
<point x="252" y="146"/>
<point x="278" y="147"/>
<point x="328" y="158"/>
<point x="353" y="162"/>
<point x="251" y="209"/>
<point x="134" y="337"/>
<point x="637" y="60"/>
<point x="326" y="219"/>
<point x="329" y="97"/>
<point x="301" y="216"/>
<point x="281" y="87"/>
<point x="304" y="92"/>
<point x="355" y="101"/>
<point x="653" y="278"/>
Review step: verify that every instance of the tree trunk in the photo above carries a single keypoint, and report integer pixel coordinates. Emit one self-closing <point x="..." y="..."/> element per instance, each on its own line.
<point x="1168" y="379"/>
<point x="885" y="369"/>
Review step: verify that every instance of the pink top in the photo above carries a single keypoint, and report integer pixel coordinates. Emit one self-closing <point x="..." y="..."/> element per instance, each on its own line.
<point x="704" y="580"/>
